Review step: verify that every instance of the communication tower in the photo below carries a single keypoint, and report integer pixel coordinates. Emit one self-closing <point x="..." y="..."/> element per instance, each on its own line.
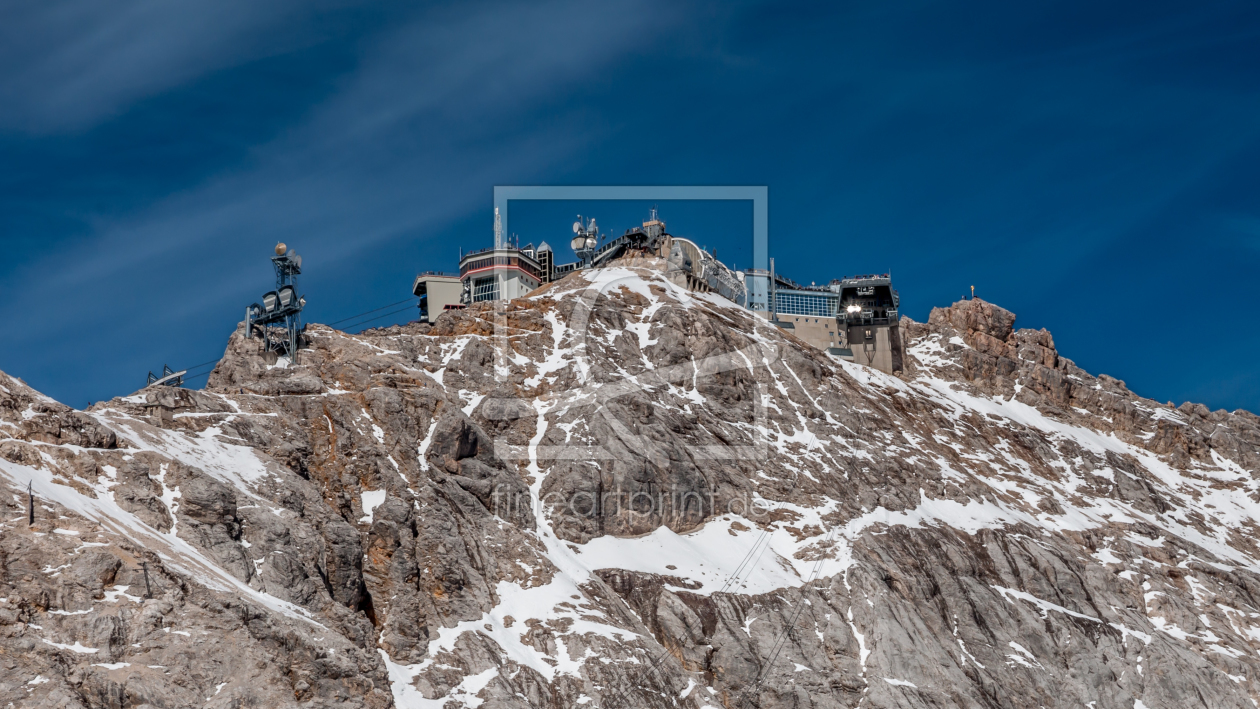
<point x="654" y="227"/>
<point x="281" y="307"/>
<point x="585" y="238"/>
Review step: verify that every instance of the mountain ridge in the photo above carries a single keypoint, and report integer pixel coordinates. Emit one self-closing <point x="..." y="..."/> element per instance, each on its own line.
<point x="620" y="493"/>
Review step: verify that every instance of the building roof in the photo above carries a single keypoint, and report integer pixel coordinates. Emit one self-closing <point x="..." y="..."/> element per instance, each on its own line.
<point x="875" y="279"/>
<point x="508" y="251"/>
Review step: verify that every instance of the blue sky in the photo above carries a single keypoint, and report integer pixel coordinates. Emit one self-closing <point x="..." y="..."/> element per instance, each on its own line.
<point x="1093" y="167"/>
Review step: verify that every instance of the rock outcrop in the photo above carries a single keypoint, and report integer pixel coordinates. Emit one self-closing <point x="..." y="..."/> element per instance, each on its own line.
<point x="618" y="493"/>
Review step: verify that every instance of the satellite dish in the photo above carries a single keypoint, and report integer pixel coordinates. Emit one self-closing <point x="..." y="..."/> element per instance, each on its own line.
<point x="281" y="248"/>
<point x="577" y="226"/>
<point x="577" y="243"/>
<point x="590" y="242"/>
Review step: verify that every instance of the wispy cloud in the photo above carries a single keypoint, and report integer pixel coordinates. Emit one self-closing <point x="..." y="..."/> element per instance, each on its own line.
<point x="411" y="142"/>
<point x="416" y="137"/>
<point x="66" y="65"/>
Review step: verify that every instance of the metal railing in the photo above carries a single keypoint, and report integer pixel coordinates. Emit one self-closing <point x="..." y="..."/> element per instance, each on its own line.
<point x="857" y="319"/>
<point x="477" y="251"/>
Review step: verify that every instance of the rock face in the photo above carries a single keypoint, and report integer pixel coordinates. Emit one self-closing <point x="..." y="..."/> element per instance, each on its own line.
<point x="618" y="493"/>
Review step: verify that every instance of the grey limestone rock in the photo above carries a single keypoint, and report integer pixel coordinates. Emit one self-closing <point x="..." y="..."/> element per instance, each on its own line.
<point x="619" y="493"/>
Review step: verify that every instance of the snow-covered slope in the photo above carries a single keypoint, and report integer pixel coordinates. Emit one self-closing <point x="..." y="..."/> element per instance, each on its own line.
<point x="620" y="493"/>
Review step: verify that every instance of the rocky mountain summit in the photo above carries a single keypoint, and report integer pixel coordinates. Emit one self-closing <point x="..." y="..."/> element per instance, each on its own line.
<point x="618" y="493"/>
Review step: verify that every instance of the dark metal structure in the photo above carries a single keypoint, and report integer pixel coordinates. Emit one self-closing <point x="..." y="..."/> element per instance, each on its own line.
<point x="169" y="378"/>
<point x="868" y="311"/>
<point x="281" y="307"/>
<point x="868" y="299"/>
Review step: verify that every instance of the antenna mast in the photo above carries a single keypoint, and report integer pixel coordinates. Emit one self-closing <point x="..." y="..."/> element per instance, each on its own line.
<point x="498" y="229"/>
<point x="585" y="239"/>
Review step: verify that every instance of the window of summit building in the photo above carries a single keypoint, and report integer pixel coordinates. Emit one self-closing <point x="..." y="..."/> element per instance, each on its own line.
<point x="805" y="304"/>
<point x="485" y="288"/>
